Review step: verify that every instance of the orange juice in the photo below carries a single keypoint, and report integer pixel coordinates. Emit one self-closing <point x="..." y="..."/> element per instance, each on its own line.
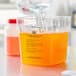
<point x="43" y="49"/>
<point x="13" y="46"/>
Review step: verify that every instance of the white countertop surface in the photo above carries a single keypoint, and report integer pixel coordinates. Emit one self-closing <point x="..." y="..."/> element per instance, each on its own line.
<point x="11" y="66"/>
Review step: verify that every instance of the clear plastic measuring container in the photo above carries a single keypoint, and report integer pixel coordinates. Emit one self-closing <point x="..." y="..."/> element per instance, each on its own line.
<point x="44" y="42"/>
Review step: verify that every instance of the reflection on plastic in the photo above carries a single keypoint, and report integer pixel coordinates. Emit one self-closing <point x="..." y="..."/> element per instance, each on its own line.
<point x="13" y="66"/>
<point x="43" y="71"/>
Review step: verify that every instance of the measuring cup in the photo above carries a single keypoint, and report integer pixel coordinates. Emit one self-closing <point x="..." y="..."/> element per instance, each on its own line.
<point x="44" y="42"/>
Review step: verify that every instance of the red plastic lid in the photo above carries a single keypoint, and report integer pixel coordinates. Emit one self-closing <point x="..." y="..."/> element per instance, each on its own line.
<point x="12" y="21"/>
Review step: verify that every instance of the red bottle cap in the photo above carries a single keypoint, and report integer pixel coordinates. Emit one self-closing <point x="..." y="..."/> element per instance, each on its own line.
<point x="12" y="21"/>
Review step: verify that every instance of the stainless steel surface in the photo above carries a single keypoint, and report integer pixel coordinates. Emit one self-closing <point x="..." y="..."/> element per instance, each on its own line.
<point x="4" y="1"/>
<point x="8" y="6"/>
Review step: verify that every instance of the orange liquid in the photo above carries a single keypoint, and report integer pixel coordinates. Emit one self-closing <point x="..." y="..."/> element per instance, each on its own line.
<point x="13" y="46"/>
<point x="44" y="49"/>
